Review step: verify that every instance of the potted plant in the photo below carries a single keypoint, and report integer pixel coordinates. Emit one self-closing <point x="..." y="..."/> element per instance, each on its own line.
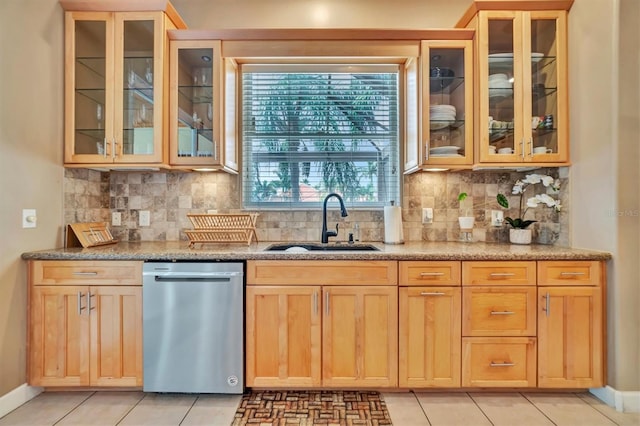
<point x="519" y="233"/>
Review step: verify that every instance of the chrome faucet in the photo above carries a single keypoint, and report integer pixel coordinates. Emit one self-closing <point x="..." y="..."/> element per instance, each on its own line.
<point x="343" y="211"/>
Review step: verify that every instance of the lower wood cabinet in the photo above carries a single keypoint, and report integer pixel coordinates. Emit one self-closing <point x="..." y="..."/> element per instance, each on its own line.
<point x="85" y="335"/>
<point x="283" y="336"/>
<point x="360" y="336"/>
<point x="332" y="335"/>
<point x="429" y="324"/>
<point x="571" y="344"/>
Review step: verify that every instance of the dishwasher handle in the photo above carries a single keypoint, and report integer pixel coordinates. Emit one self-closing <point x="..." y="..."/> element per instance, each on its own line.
<point x="182" y="279"/>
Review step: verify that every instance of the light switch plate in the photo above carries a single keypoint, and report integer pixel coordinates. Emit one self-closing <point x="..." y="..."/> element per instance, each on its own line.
<point x="145" y="218"/>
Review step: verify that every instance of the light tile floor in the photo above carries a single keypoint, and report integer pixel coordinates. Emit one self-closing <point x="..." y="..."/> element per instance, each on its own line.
<point x="406" y="409"/>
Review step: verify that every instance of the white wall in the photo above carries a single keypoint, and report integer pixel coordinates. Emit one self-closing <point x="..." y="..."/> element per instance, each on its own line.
<point x="604" y="70"/>
<point x="31" y="81"/>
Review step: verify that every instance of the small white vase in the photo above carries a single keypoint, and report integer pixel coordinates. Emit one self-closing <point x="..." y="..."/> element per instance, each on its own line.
<point x="466" y="222"/>
<point x="466" y="228"/>
<point x="520" y="236"/>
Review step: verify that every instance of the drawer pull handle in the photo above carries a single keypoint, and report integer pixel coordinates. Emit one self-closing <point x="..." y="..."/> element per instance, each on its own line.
<point x="502" y="312"/>
<point x="501" y="364"/>
<point x="431" y="274"/>
<point x="502" y="274"/>
<point x="315" y="303"/>
<point x="571" y="274"/>
<point x="85" y="273"/>
<point x="431" y="293"/>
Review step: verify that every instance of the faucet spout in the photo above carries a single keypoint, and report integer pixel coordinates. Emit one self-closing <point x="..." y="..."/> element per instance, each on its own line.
<point x="343" y="212"/>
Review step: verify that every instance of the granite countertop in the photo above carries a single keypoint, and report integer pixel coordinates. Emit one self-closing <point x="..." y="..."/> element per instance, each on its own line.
<point x="179" y="250"/>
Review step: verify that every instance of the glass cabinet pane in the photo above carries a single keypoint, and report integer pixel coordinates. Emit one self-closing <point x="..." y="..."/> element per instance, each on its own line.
<point x="195" y="103"/>
<point x="138" y="86"/>
<point x="90" y="72"/>
<point x="446" y="103"/>
<point x="544" y="90"/>
<point x="501" y="95"/>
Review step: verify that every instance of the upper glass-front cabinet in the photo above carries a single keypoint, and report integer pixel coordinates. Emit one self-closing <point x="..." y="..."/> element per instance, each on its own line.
<point x="114" y="86"/>
<point x="202" y="127"/>
<point x="447" y="98"/>
<point x="522" y="86"/>
<point x="439" y="106"/>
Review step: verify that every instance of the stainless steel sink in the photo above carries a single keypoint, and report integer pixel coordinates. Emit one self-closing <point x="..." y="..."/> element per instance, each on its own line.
<point x="301" y="247"/>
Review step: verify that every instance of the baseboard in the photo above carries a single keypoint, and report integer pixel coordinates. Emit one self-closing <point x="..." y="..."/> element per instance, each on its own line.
<point x="17" y="397"/>
<point x="623" y="401"/>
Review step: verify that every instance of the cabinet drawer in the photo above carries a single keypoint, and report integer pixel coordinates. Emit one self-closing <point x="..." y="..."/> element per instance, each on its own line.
<point x="499" y="311"/>
<point x="321" y="272"/>
<point x="583" y="272"/>
<point x="85" y="272"/>
<point x="429" y="273"/>
<point x="499" y="273"/>
<point x="499" y="362"/>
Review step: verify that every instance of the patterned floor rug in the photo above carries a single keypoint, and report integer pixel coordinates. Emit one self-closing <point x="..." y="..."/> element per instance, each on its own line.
<point x="310" y="408"/>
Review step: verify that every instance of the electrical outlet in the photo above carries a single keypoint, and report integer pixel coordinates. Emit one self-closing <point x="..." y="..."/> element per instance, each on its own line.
<point x="144" y="218"/>
<point x="116" y="219"/>
<point x="497" y="217"/>
<point x="427" y="215"/>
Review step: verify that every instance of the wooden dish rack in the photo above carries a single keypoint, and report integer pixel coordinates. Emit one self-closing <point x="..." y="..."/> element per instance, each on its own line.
<point x="222" y="228"/>
<point x="90" y="234"/>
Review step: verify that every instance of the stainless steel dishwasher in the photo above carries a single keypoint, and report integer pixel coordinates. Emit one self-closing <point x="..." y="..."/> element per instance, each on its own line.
<point x="193" y="326"/>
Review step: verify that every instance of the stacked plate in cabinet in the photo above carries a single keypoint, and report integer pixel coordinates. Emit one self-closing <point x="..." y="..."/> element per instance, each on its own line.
<point x="499" y="86"/>
<point x="441" y="116"/>
<point x="444" y="151"/>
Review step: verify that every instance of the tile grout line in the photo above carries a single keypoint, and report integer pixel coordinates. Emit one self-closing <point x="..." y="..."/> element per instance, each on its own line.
<point x="189" y="410"/>
<point x="144" y="395"/>
<point x="421" y="407"/>
<point x="479" y="408"/>
<point x="74" y="408"/>
<point x="583" y="399"/>
<point x="537" y="408"/>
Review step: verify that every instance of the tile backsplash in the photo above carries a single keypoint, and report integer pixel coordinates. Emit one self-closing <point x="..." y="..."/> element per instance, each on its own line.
<point x="92" y="196"/>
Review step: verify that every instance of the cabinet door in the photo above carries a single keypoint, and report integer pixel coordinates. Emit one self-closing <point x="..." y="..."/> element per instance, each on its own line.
<point x="59" y="336"/>
<point x="545" y="42"/>
<point x="429" y="337"/>
<point x="283" y="336"/>
<point x="138" y="69"/>
<point x="195" y="100"/>
<point x="89" y="86"/>
<point x="116" y="335"/>
<point x="570" y="341"/>
<point x="360" y="336"/>
<point x="447" y="96"/>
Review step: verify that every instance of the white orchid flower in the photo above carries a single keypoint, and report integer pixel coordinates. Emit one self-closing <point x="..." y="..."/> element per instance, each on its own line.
<point x="532" y="179"/>
<point x="533" y="202"/>
<point x="518" y="188"/>
<point x="547" y="180"/>
<point x="546" y="199"/>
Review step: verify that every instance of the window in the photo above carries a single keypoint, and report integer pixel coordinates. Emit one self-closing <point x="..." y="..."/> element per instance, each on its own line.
<point x="309" y="130"/>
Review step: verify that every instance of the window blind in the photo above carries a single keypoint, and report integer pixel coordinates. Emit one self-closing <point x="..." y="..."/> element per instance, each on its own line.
<point x="310" y="130"/>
